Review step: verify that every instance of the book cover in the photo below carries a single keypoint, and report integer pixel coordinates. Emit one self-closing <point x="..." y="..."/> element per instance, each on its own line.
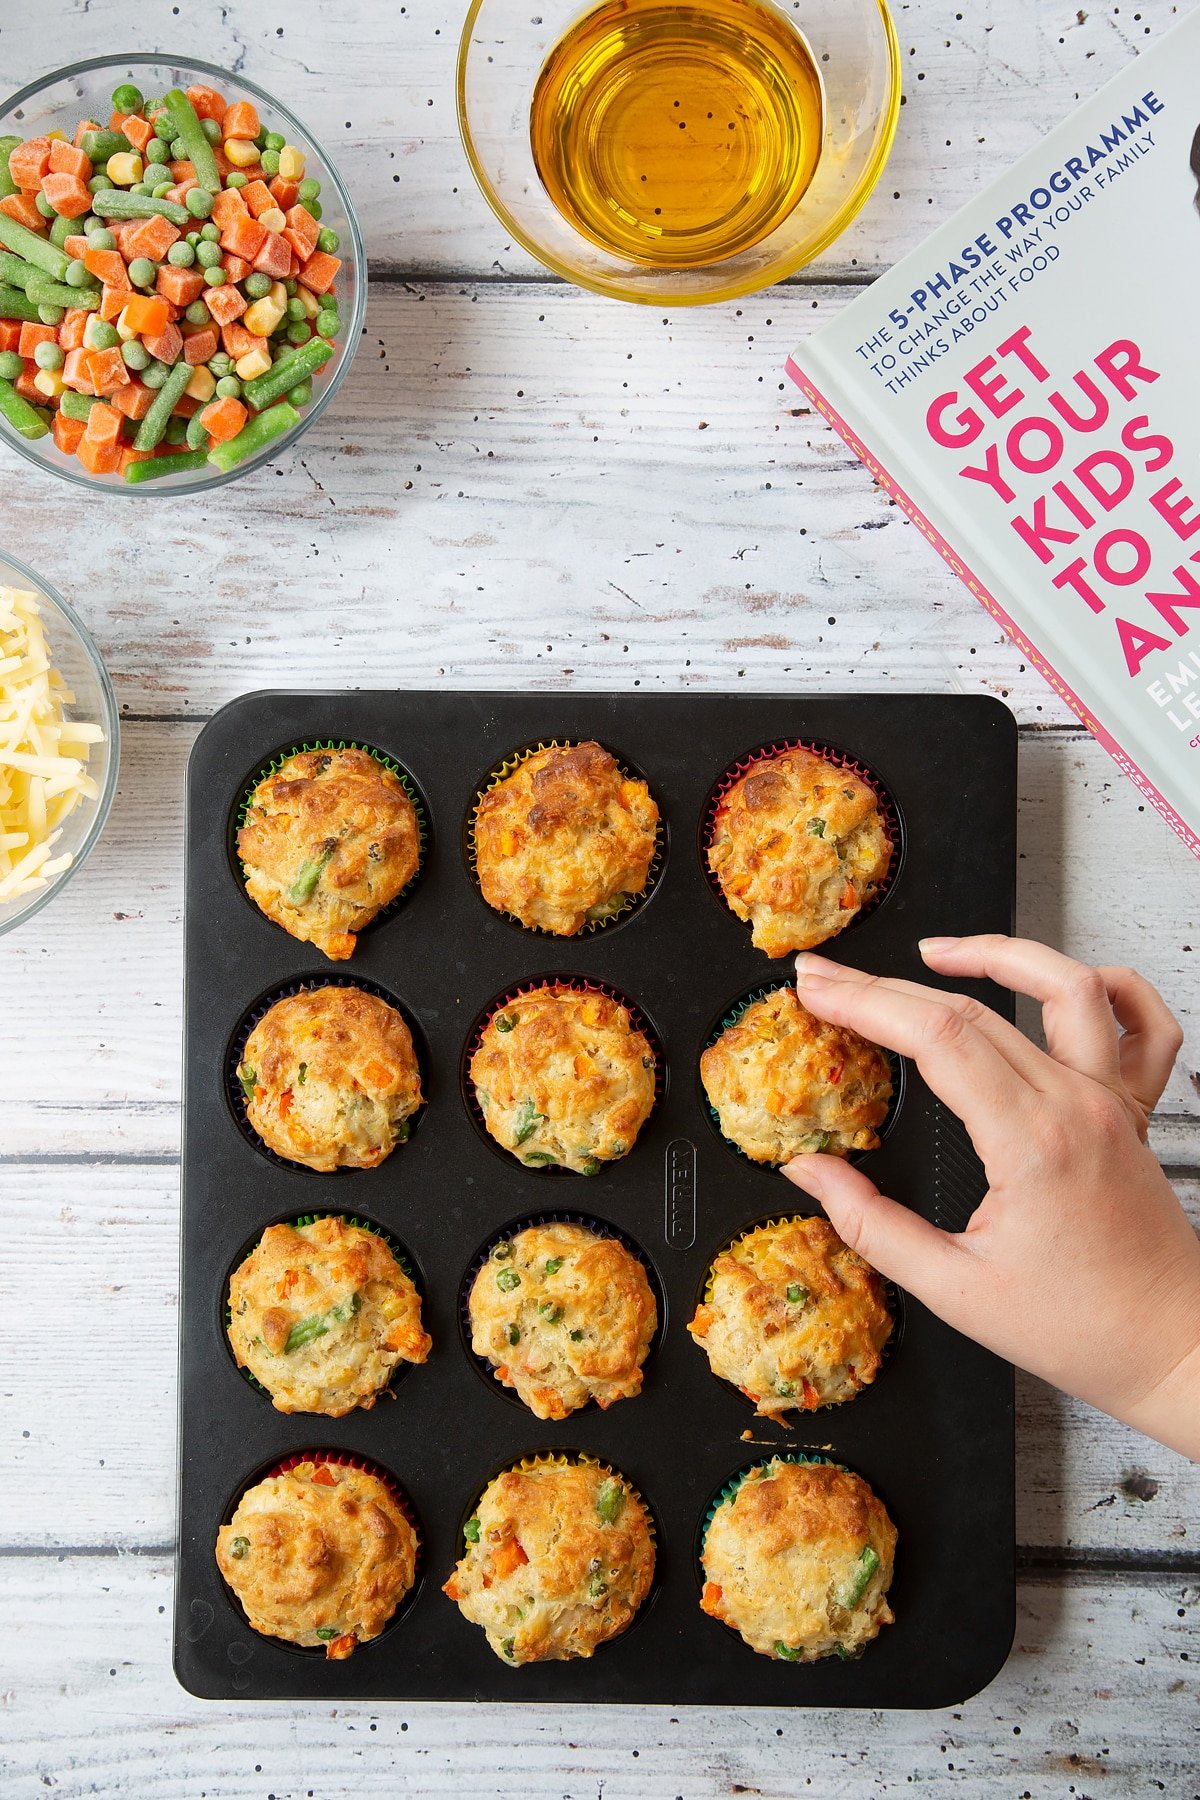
<point x="1027" y="386"/>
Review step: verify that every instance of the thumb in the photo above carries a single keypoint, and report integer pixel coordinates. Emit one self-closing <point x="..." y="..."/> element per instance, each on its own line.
<point x="892" y="1238"/>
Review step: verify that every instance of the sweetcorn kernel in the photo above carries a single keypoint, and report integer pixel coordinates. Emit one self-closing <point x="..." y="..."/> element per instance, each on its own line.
<point x="273" y="219"/>
<point x="202" y="385"/>
<point x="241" y="152"/>
<point x="291" y="163"/>
<point x="125" y="331"/>
<point x="49" y="382"/>
<point x="255" y="362"/>
<point x="308" y="301"/>
<point x="124" y="168"/>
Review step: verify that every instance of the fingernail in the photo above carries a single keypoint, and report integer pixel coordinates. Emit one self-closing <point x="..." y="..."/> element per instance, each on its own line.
<point x="932" y="946"/>
<point x="820" y="968"/>
<point x="805" y="1172"/>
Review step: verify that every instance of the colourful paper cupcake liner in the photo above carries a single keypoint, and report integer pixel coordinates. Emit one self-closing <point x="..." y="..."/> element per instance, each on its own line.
<point x="500" y="772"/>
<point x="246" y="792"/>
<point x="235" y="1095"/>
<point x="590" y="1223"/>
<point x="394" y="1245"/>
<point x="839" y="759"/>
<point x="896" y="1067"/>
<point x="577" y="984"/>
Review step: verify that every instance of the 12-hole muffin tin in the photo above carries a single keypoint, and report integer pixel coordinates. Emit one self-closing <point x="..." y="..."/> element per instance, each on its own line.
<point x="934" y="1434"/>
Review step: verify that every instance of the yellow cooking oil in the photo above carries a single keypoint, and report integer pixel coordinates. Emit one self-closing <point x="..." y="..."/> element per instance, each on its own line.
<point x="677" y="136"/>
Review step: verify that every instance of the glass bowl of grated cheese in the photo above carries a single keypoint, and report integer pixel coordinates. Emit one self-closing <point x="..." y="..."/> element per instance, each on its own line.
<point x="59" y="743"/>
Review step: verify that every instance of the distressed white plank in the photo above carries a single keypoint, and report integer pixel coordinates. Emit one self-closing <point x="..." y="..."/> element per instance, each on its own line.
<point x="982" y="85"/>
<point x="87" y="1428"/>
<point x="1098" y="1696"/>
<point x="93" y="984"/>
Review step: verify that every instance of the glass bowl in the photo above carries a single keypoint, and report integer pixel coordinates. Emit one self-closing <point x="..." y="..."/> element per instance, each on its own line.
<point x="84" y="90"/>
<point x="503" y="48"/>
<point x="77" y="659"/>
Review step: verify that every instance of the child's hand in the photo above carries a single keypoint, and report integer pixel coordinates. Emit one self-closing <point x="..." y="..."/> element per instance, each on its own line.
<point x="1080" y="1263"/>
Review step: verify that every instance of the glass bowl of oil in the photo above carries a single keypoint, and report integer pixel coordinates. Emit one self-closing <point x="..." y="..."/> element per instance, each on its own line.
<point x="672" y="153"/>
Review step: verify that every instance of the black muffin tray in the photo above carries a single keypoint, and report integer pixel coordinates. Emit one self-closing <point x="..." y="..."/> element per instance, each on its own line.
<point x="933" y="1435"/>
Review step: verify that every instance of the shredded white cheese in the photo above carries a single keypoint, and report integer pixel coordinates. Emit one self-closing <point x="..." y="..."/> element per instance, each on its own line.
<point x="43" y="754"/>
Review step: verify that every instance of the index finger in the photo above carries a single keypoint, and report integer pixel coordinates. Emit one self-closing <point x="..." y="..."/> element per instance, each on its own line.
<point x="958" y="1063"/>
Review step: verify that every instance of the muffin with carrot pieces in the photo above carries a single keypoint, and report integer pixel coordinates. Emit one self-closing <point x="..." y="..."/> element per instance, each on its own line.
<point x="798" y="1560"/>
<point x="564" y="1315"/>
<point x="564" y="1077"/>
<point x="321" y="1315"/>
<point x="320" y="1555"/>
<point x="330" y="837"/>
<point x="331" y="1078"/>
<point x="557" y="1560"/>
<point x="799" y="846"/>
<point x="565" y="840"/>
<point x="784" y="1083"/>
<point x="793" y="1317"/>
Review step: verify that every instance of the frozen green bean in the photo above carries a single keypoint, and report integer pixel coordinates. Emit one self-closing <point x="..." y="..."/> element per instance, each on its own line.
<point x="118" y="203"/>
<point x="254" y="436"/>
<point x="287" y="373"/>
<point x="37" y="250"/>
<point x="155" y="468"/>
<point x="155" y="422"/>
<point x="26" y="420"/>
<point x="185" y="124"/>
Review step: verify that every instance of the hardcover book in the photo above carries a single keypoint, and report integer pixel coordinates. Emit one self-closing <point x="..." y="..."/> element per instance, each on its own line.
<point x="1026" y="385"/>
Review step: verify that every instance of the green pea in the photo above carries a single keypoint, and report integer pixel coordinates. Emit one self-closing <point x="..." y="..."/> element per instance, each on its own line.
<point x="503" y="1250"/>
<point x="328" y="323"/>
<point x="51" y="315"/>
<point x="98" y="184"/>
<point x="175" y="432"/>
<point x="326" y="1632"/>
<point x="101" y="239"/>
<point x="211" y="129"/>
<point x="507" y="1280"/>
<point x="157" y="151"/>
<point x="295" y="309"/>
<point x="209" y="233"/>
<point x="238" y="1547"/>
<point x="161" y="189"/>
<point x="198" y="314"/>
<point x="551" y="1314"/>
<point x="235" y="179"/>
<point x="274" y="140"/>
<point x="554" y="1265"/>
<point x="199" y="202"/>
<point x="12" y="366"/>
<point x="577" y="1337"/>
<point x="92" y="224"/>
<point x="43" y="206"/>
<point x="309" y="189"/>
<point x="142" y="272"/>
<point x="785" y="1652"/>
<point x="156" y="172"/>
<point x="796" y="1294"/>
<point x="155" y="373"/>
<point x="127" y="98"/>
<point x="103" y="336"/>
<point x="514" y="1334"/>
<point x="181" y="255"/>
<point x="220" y="364"/>
<point x="179" y="150"/>
<point x="135" y="355"/>
<point x="314" y="207"/>
<point x="506" y="1647"/>
<point x="471" y="1530"/>
<point x="590" y="1167"/>
<point x="291" y="287"/>
<point x="270" y="162"/>
<point x="139" y="187"/>
<point x="215" y="277"/>
<point x="208" y="255"/>
<point x="256" y="286"/>
<point x="78" y="274"/>
<point x="298" y="331"/>
<point x="329" y="241"/>
<point x="229" y="388"/>
<point x="48" y="356"/>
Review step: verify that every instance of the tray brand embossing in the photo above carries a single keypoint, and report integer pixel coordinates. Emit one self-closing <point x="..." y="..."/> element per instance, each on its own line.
<point x="681" y="1194"/>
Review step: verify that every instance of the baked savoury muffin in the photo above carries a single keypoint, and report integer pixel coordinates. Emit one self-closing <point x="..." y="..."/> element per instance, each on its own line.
<point x="329" y="838"/>
<point x="784" y="1083"/>
<point x="559" y="1556"/>
<point x="793" y="1317"/>
<point x="331" y="1078"/>
<point x="799" y="846"/>
<point x="564" y="1316"/>
<point x="565" y="840"/>
<point x="798" y="1559"/>
<point x="321" y="1314"/>
<point x="564" y="1077"/>
<point x="321" y="1555"/>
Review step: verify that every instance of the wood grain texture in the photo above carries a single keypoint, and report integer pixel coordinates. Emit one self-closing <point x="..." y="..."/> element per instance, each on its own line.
<point x="1099" y="1697"/>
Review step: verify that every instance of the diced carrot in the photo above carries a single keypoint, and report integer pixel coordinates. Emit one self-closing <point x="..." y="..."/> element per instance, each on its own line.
<point x="166" y="344"/>
<point x="702" y="1324"/>
<point x="811" y="1397"/>
<point x="10" y="333"/>
<point x="67" y="195"/>
<point x="710" y="1599"/>
<point x="236" y="267"/>
<point x="284" y="192"/>
<point x="103" y="424"/>
<point x="452" y="1588"/>
<point x="180" y="286"/>
<point x="33" y="335"/>
<point x="184" y="170"/>
<point x="209" y="104"/>
<point x="243" y="236"/>
<point x="70" y="332"/>
<point x="199" y="346"/>
<point x="185" y="406"/>
<point x="323" y="1476"/>
<point x="75" y="245"/>
<point x="320" y="272"/>
<point x="258" y="197"/>
<point x="97" y="458"/>
<point x="301" y="231"/>
<point x="24" y="385"/>
<point x="107" y="370"/>
<point x="294" y="271"/>
<point x="66" y="432"/>
<point x="223" y="419"/>
<point x="227" y="205"/>
<point x="67" y="159"/>
<point x="146" y="314"/>
<point x="226" y="304"/>
<point x="112" y="302"/>
<point x="151" y="238"/>
<point x="134" y="401"/>
<point x="130" y="455"/>
<point x="23" y="208"/>
<point x="240" y="121"/>
<point x="507" y="1556"/>
<point x="75" y="372"/>
<point x="138" y="130"/>
<point x="275" y="257"/>
<point x="85" y="125"/>
<point x="236" y="340"/>
<point x="107" y="266"/>
<point x="29" y="162"/>
<point x="180" y="191"/>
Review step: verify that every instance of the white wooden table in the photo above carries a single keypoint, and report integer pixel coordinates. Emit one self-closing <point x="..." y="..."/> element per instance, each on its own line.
<point x="526" y="486"/>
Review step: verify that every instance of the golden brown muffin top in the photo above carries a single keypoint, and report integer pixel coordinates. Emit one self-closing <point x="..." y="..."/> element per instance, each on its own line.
<point x="329" y="838"/>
